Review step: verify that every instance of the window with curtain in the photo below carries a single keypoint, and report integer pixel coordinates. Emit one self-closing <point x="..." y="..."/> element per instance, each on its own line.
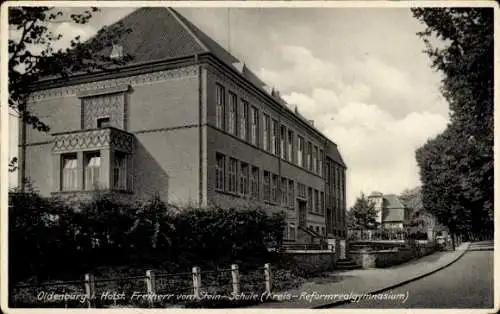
<point x="254" y="126"/>
<point x="69" y="176"/>
<point x="243" y="120"/>
<point x="300" y="150"/>
<point x="92" y="171"/>
<point x="120" y="171"/>
<point x="232" y="121"/>
<point x="265" y="134"/>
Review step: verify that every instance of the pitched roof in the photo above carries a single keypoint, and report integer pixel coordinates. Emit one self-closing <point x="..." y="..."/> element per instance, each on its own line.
<point x="159" y="33"/>
<point x="392" y="201"/>
<point x="156" y="34"/>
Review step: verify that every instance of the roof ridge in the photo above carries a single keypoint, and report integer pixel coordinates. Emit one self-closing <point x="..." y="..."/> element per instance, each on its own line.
<point x="180" y="19"/>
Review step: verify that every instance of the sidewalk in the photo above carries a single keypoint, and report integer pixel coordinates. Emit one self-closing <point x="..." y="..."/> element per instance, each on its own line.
<point x="365" y="281"/>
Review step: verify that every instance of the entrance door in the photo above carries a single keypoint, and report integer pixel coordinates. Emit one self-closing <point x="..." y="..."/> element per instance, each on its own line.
<point x="342" y="249"/>
<point x="302" y="213"/>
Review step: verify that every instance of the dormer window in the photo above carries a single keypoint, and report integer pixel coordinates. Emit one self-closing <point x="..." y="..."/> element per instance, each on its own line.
<point x="103" y="122"/>
<point x="116" y="52"/>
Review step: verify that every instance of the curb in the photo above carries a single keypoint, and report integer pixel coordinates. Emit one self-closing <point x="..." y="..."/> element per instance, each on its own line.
<point x="402" y="283"/>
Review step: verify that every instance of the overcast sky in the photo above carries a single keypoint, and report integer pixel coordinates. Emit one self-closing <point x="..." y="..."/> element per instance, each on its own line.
<point x="359" y="73"/>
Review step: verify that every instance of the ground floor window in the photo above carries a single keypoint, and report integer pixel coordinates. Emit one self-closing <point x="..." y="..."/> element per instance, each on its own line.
<point x="69" y="176"/>
<point x="120" y="171"/>
<point x="92" y="170"/>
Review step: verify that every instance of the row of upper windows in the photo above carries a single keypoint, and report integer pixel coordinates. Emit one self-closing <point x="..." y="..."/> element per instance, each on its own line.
<point x="244" y="179"/>
<point x="242" y="120"/>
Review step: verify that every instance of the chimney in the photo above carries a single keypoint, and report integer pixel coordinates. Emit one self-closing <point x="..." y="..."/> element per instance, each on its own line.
<point x="311" y="122"/>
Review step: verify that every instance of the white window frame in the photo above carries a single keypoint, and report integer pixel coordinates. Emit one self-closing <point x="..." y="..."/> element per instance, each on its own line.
<point x="93" y="164"/>
<point x="69" y="172"/>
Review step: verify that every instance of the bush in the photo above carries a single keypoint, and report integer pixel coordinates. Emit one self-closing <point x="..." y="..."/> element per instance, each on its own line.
<point x="49" y="238"/>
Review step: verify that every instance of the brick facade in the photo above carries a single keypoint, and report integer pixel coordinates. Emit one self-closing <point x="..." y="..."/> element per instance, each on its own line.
<point x="164" y="120"/>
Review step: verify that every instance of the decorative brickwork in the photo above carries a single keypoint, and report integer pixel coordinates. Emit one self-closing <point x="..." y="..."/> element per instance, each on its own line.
<point x="132" y="80"/>
<point x="111" y="105"/>
<point x="93" y="139"/>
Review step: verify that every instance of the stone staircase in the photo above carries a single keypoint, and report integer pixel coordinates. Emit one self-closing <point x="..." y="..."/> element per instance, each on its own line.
<point x="346" y="264"/>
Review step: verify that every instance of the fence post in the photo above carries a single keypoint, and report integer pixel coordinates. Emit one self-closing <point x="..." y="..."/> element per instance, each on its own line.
<point x="236" y="278"/>
<point x="90" y="289"/>
<point x="267" y="277"/>
<point x="196" y="281"/>
<point x="150" y="285"/>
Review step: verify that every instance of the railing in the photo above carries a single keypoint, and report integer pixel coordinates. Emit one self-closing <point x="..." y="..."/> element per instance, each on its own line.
<point x="377" y="235"/>
<point x="152" y="289"/>
<point x="308" y="246"/>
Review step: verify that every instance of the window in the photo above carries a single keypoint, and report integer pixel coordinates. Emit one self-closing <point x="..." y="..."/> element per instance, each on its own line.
<point x="315" y="159"/>
<point x="320" y="162"/>
<point x="290" y="146"/>
<point x="322" y="203"/>
<point x="327" y="172"/>
<point x="220" y="171"/>
<point x="317" y="229"/>
<point x="308" y="158"/>
<point x="265" y="135"/>
<point x="232" y="183"/>
<point x="291" y="232"/>
<point x="323" y="231"/>
<point x="244" y="178"/>
<point x="69" y="176"/>
<point x="267" y="186"/>
<point x="300" y="150"/>
<point x="327" y="198"/>
<point x="254" y="184"/>
<point x="92" y="171"/>
<point x="291" y="194"/>
<point x="103" y="122"/>
<point x="310" y="199"/>
<point x="274" y="189"/>
<point x="282" y="142"/>
<point x="120" y="171"/>
<point x="316" y="200"/>
<point x="243" y="120"/>
<point x="255" y="126"/>
<point x="219" y="105"/>
<point x="274" y="138"/>
<point x="284" y="194"/>
<point x="302" y="190"/>
<point x="232" y="122"/>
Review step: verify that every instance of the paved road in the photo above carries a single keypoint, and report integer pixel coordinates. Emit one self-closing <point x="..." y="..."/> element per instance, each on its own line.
<point x="468" y="283"/>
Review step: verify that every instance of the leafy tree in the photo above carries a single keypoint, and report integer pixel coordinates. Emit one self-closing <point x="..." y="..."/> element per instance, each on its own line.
<point x="457" y="167"/>
<point x="33" y="56"/>
<point x="362" y="215"/>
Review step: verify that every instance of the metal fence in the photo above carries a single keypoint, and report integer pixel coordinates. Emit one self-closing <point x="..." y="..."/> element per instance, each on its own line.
<point x="151" y="289"/>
